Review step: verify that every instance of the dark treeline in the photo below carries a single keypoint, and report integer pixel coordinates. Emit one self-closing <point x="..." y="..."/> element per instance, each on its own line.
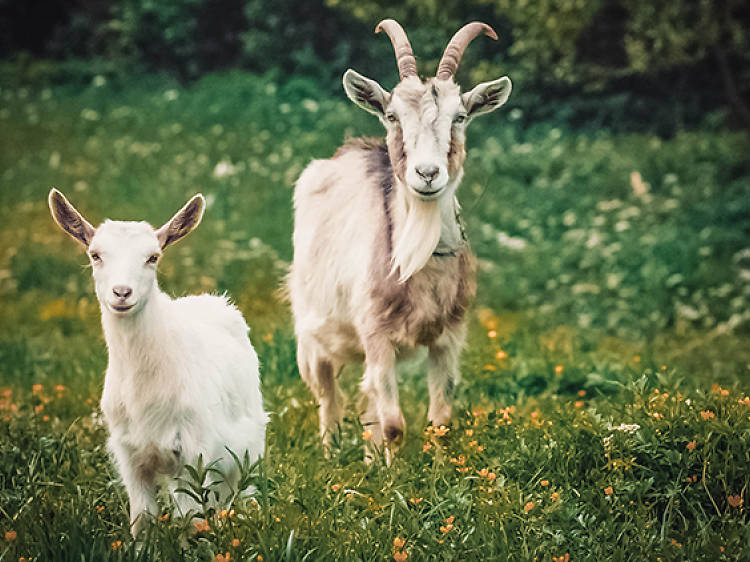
<point x="618" y="64"/>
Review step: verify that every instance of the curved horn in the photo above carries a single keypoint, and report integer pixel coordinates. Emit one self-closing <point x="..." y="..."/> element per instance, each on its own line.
<point x="458" y="43"/>
<point x="407" y="65"/>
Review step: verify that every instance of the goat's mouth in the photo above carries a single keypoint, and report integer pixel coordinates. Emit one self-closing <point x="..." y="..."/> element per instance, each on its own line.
<point x="427" y="193"/>
<point x="121" y="308"/>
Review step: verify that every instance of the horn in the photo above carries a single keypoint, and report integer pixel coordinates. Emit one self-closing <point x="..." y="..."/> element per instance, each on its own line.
<point x="458" y="43"/>
<point x="407" y="65"/>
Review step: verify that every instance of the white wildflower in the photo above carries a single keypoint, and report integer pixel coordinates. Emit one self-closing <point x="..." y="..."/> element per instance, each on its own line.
<point x="511" y="242"/>
<point x="594" y="239"/>
<point x="609" y="205"/>
<point x="310" y="105"/>
<point x="583" y="288"/>
<point x="90" y="115"/>
<point x="223" y="169"/>
<point x="523" y="148"/>
<point x="613" y="280"/>
<point x="624" y="427"/>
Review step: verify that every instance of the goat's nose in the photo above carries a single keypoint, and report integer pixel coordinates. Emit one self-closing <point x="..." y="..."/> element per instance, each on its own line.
<point x="427" y="171"/>
<point x="122" y="291"/>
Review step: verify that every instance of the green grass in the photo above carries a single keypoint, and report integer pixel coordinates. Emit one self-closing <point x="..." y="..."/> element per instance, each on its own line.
<point x="601" y="302"/>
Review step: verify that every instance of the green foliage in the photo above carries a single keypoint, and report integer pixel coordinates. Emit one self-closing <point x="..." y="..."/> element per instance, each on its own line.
<point x="611" y="230"/>
<point x="317" y="42"/>
<point x="665" y="35"/>
<point x="633" y="65"/>
<point x="546" y="35"/>
<point x="162" y="33"/>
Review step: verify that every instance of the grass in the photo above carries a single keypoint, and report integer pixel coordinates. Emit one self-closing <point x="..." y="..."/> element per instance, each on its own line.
<point x="603" y="412"/>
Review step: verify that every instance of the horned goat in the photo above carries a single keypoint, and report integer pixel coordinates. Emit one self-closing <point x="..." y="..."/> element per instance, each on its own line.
<point x="182" y="379"/>
<point x="381" y="263"/>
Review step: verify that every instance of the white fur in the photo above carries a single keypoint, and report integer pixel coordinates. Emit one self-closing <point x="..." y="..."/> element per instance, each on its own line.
<point x="182" y="379"/>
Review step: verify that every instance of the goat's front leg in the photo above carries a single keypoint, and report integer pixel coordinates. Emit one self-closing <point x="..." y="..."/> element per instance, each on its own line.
<point x="383" y="416"/>
<point x="443" y="373"/>
<point x="141" y="492"/>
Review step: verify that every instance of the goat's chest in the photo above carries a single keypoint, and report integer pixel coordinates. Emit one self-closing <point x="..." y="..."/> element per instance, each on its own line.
<point x="432" y="301"/>
<point x="142" y="410"/>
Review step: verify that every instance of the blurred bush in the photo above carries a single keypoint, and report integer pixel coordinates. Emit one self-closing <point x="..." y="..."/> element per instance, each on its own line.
<point x="625" y="65"/>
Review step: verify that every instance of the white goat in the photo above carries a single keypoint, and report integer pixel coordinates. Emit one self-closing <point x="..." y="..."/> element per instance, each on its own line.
<point x="182" y="378"/>
<point x="380" y="260"/>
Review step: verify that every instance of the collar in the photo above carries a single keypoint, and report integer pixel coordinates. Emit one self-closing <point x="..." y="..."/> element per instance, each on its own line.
<point x="451" y="252"/>
<point x="446" y="254"/>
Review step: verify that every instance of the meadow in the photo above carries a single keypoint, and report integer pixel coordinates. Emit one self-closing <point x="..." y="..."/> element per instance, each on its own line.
<point x="604" y="412"/>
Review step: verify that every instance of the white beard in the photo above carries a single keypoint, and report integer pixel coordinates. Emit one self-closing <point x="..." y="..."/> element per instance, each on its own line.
<point x="418" y="236"/>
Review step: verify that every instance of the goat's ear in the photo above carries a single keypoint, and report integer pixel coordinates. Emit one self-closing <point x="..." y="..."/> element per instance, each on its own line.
<point x="70" y="220"/>
<point x="184" y="221"/>
<point x="487" y="96"/>
<point x="366" y="93"/>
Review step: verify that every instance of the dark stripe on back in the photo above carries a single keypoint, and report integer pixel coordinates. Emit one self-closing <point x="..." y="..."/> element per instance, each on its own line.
<point x="379" y="167"/>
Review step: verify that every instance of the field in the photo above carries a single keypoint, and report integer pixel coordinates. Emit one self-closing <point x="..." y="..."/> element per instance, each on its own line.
<point x="604" y="410"/>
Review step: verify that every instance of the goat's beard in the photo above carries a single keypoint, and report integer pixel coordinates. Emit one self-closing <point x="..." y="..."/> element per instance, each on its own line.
<point x="418" y="237"/>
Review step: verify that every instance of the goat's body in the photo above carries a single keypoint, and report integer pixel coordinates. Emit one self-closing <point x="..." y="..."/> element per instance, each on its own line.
<point x="380" y="260"/>
<point x="347" y="302"/>
<point x="182" y="381"/>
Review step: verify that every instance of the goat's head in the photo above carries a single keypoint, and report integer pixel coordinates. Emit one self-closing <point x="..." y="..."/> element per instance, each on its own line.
<point x="124" y="254"/>
<point x="426" y="121"/>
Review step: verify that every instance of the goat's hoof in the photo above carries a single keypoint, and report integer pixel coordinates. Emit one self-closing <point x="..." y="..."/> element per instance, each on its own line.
<point x="394" y="435"/>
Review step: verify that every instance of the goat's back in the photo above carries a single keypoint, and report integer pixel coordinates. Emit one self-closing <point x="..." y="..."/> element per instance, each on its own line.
<point x="213" y="336"/>
<point x="340" y="221"/>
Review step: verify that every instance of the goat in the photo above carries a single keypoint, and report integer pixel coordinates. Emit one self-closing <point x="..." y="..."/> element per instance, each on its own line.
<point x="381" y="263"/>
<point x="182" y="379"/>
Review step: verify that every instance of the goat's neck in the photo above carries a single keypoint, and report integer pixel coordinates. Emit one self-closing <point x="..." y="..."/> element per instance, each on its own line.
<point x="451" y="233"/>
<point x="131" y="340"/>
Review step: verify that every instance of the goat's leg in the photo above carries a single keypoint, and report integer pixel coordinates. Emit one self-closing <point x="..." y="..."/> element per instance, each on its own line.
<point x="383" y="416"/>
<point x="320" y="376"/>
<point x="443" y="374"/>
<point x="141" y="493"/>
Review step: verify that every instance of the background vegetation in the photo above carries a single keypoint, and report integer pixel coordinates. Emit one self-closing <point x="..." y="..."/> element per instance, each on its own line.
<point x="604" y="412"/>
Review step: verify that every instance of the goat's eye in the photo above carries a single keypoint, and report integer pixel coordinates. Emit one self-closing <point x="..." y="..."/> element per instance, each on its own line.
<point x="391" y="117"/>
<point x="460" y="118"/>
<point x="153" y="259"/>
<point x="96" y="258"/>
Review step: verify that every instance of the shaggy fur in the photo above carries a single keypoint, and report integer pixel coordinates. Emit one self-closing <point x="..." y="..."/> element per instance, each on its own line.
<point x="355" y="305"/>
<point x="380" y="261"/>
